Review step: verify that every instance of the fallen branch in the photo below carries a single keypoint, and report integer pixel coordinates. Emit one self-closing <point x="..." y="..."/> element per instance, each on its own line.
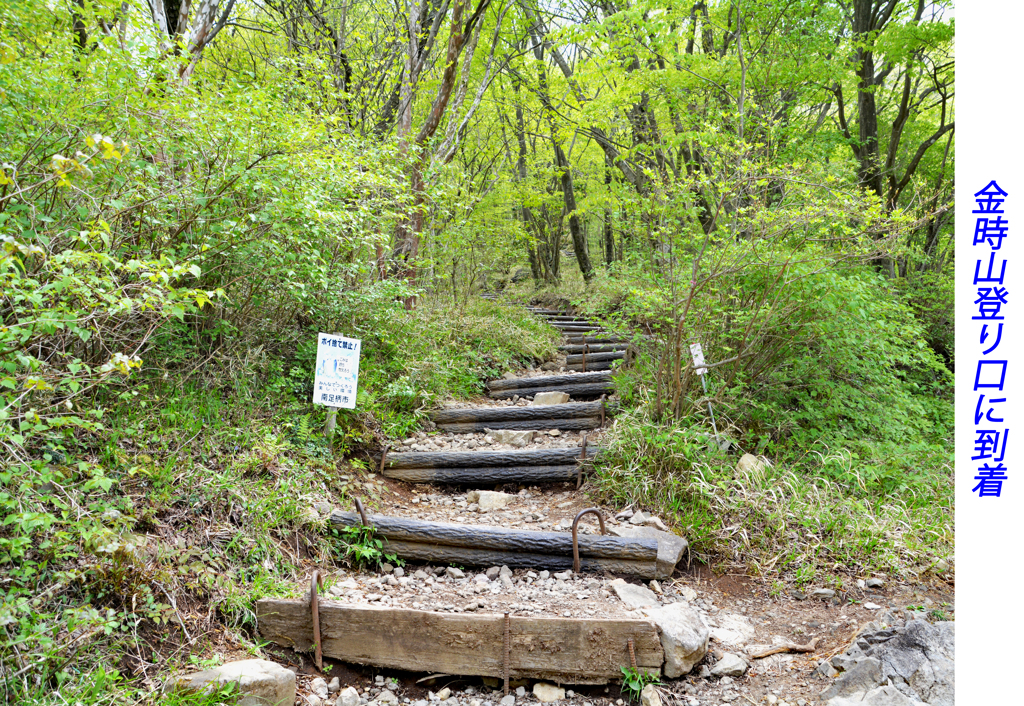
<point x="787" y="647"/>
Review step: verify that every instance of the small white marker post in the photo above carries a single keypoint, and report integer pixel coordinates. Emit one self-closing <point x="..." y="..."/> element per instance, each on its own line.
<point x="336" y="379"/>
<point x="698" y="367"/>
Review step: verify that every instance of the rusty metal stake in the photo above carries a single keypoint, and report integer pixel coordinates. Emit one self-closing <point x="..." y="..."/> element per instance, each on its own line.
<point x="362" y="512"/>
<point x="632" y="655"/>
<point x="508" y="645"/>
<point x="314" y="604"/>
<point x="575" y="540"/>
<point x="384" y="458"/>
<point x="580" y="462"/>
<point x="602" y="410"/>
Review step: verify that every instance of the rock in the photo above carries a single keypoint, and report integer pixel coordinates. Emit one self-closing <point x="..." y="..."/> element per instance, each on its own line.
<point x="671" y="547"/>
<point x="874" y="583"/>
<point x="548" y="693"/>
<point x="649" y="696"/>
<point x="399" y="572"/>
<point x="313" y="700"/>
<point x="823" y="593"/>
<point x="731" y="665"/>
<point x="881" y="696"/>
<point x="505" y="571"/>
<point x="656" y="523"/>
<point x="454" y="573"/>
<point x="656" y="587"/>
<point x="319" y="687"/>
<point x="386" y="697"/>
<point x="521" y="691"/>
<point x="865" y="675"/>
<point x="260" y="682"/>
<point x="506" y="582"/>
<point x="386" y="568"/>
<point x="634" y="596"/>
<point x="543" y="398"/>
<point x="492" y="573"/>
<point x="323" y="508"/>
<point x="420" y="575"/>
<point x="686" y="593"/>
<point x="638" y="518"/>
<point x="348" y="697"/>
<point x="549" y="366"/>
<point x="825" y="669"/>
<point x="872" y="606"/>
<point x="732" y="629"/>
<point x="684" y="637"/>
<point x="509" y="376"/>
<point x="544" y="575"/>
<point x="335" y="686"/>
<point x="563" y="576"/>
<point x="749" y="463"/>
<point x="444" y="694"/>
<point x="518" y="439"/>
<point x="489" y="499"/>
<point x="508" y="700"/>
<point x="625" y="514"/>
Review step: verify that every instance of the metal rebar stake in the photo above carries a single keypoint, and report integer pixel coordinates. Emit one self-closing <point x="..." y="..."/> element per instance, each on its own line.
<point x="710" y="411"/>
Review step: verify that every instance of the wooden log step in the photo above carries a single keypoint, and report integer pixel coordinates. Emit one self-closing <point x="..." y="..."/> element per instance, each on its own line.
<point x="467" y="556"/>
<point x="597" y="348"/>
<point x="595" y="356"/>
<point x="545" y="311"/>
<point x="592" y="366"/>
<point x="470" y="459"/>
<point x="563" y="423"/>
<point x="593" y="389"/>
<point x="595" y="339"/>
<point x="567" y="319"/>
<point x="570" y="410"/>
<point x="545" y="381"/>
<point x="486" y="475"/>
<point x="574" y="330"/>
<point x="592" y="546"/>
<point x="566" y="650"/>
<point x="574" y="324"/>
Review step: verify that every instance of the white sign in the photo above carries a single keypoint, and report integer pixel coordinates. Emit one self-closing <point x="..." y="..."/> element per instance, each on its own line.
<point x="337" y="371"/>
<point x="698" y="358"/>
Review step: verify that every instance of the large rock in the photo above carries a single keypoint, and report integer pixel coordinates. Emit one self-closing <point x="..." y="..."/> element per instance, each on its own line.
<point x="731" y="665"/>
<point x="916" y="660"/>
<point x="519" y="439"/>
<point x="489" y="499"/>
<point x="348" y="697"/>
<point x="650" y="696"/>
<point x="634" y="596"/>
<point x="670" y="546"/>
<point x="880" y="696"/>
<point x="748" y="463"/>
<point x="684" y="637"/>
<point x="548" y="693"/>
<point x="543" y="398"/>
<point x="260" y="682"/>
<point x="732" y="629"/>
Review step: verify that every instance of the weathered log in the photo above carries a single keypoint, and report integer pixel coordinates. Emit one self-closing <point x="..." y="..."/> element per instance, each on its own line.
<point x="591" y="366"/>
<point x="501" y="539"/>
<point x="540" y="312"/>
<point x="595" y="389"/>
<point x="580" y="651"/>
<point x="595" y="356"/>
<point x="545" y="381"/>
<point x="563" y="423"/>
<point x="597" y="348"/>
<point x="575" y="326"/>
<point x="568" y="410"/>
<point x="491" y="459"/>
<point x="485" y="475"/>
<point x="481" y="414"/>
<point x="595" y="339"/>
<point x="468" y="556"/>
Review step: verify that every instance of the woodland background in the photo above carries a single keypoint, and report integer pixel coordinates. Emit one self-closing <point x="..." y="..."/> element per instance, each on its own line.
<point x="189" y="191"/>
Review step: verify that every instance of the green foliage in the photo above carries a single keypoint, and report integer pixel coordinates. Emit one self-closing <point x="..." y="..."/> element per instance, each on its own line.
<point x="361" y="547"/>
<point x="634" y="681"/>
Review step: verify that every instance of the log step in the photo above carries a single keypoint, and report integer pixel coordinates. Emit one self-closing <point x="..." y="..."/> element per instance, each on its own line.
<point x="491" y="459"/>
<point x="562" y="423"/>
<point x="546" y="381"/>
<point x="494" y="414"/>
<point x="596" y="357"/>
<point x="598" y="348"/>
<point x="494" y="546"/>
<point x="591" y="390"/>
<point x="565" y="650"/>
<point x="595" y="339"/>
<point x="591" y="366"/>
<point x="486" y="475"/>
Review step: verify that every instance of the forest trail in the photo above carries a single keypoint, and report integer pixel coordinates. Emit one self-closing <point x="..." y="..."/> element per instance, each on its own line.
<point x="482" y="512"/>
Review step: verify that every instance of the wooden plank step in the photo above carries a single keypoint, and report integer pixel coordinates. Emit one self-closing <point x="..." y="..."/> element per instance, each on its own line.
<point x="595" y="356"/>
<point x="590" y="390"/>
<point x="546" y="381"/>
<point x="487" y="414"/>
<point x="597" y="348"/>
<point x="591" y="366"/>
<point x="595" y="339"/>
<point x="571" y="651"/>
<point x="562" y="423"/>
<point x="486" y="475"/>
<point x="555" y="544"/>
<point x="490" y="459"/>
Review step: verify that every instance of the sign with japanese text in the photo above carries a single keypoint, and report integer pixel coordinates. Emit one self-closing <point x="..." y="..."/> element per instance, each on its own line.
<point x="337" y="371"/>
<point x="698" y="358"/>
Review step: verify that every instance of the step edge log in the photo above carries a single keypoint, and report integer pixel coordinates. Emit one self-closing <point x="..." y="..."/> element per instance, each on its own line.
<point x="487" y="475"/>
<point x="467" y="459"/>
<point x="545" y="381"/>
<point x="510" y="414"/>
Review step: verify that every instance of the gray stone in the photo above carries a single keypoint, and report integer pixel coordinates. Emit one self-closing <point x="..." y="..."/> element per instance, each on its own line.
<point x="444" y="693"/>
<point x="731" y="665"/>
<point x="399" y="572"/>
<point x="521" y="691"/>
<point x="348" y="697"/>
<point x="749" y="462"/>
<point x="563" y="576"/>
<point x="874" y="583"/>
<point x="506" y="582"/>
<point x="863" y="676"/>
<point x="656" y="523"/>
<point x="638" y="518"/>
<point x="684" y="637"/>
<point x="823" y="593"/>
<point x="671" y="547"/>
<point x="489" y="500"/>
<point x="508" y="700"/>
<point x="543" y="398"/>
<point x="386" y="568"/>
<point x="634" y="596"/>
<point x="548" y="693"/>
<point x="319" y="687"/>
<point x="505" y="571"/>
<point x="323" y="508"/>
<point x="492" y="573"/>
<point x="879" y="696"/>
<point x="544" y="574"/>
<point x="454" y="573"/>
<point x="649" y="696"/>
<point x="260" y="682"/>
<point x="386" y="697"/>
<point x="872" y="606"/>
<point x="518" y="439"/>
<point x="335" y="686"/>
<point x="825" y="669"/>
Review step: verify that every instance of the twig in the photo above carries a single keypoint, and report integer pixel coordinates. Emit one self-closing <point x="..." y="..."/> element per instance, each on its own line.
<point x="788" y="647"/>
